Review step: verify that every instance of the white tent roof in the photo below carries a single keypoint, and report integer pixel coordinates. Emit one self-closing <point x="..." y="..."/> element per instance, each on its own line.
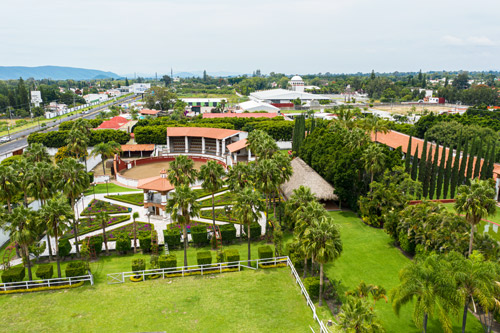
<point x="283" y="94"/>
<point x="257" y="106"/>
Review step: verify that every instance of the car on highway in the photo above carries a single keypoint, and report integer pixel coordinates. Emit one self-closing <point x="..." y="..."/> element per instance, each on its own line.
<point x="85" y="112"/>
<point x="4" y="139"/>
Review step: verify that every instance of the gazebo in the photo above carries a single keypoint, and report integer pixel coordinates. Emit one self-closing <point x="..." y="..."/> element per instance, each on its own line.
<point x="156" y="193"/>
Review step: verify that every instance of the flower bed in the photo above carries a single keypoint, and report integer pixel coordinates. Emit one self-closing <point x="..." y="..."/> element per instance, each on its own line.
<point x="200" y="193"/>
<point x="129" y="229"/>
<point x="219" y="200"/>
<point x="192" y="224"/>
<point x="91" y="224"/>
<point x="99" y="206"/>
<point x="220" y="215"/>
<point x="133" y="199"/>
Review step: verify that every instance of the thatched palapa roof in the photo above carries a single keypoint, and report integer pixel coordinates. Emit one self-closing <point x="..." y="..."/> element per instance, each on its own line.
<point x="304" y="175"/>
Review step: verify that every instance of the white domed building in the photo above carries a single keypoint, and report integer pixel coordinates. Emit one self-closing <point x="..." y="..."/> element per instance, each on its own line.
<point x="297" y="83"/>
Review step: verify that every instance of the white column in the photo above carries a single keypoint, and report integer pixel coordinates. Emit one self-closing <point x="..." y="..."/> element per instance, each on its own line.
<point x="164" y="203"/>
<point x="168" y="144"/>
<point x="217" y="147"/>
<point x="186" y="143"/>
<point x="145" y="197"/>
<point x="223" y="147"/>
<point x="203" y="145"/>
<point x="249" y="154"/>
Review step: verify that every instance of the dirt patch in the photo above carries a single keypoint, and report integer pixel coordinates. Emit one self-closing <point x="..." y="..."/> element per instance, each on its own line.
<point x="151" y="170"/>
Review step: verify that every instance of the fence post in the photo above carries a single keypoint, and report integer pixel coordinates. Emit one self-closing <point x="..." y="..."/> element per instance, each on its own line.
<point x="201" y="269"/>
<point x="27" y="285"/>
<point x="48" y="283"/>
<point x="257" y="263"/>
<point x="143" y="277"/>
<point x="274" y="261"/>
<point x="123" y="277"/>
<point x="220" y="266"/>
<point x="239" y="266"/>
<point x="182" y="271"/>
<point x="70" y="281"/>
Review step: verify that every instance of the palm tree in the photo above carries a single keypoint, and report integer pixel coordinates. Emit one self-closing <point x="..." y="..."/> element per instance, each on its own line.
<point x="8" y="185"/>
<point x="239" y="176"/>
<point x="246" y="209"/>
<point x="261" y="144"/>
<point x="105" y="150"/>
<point x="357" y="315"/>
<point x="476" y="201"/>
<point x="211" y="174"/>
<point x="36" y="152"/>
<point x="23" y="226"/>
<point x="103" y="219"/>
<point x="322" y="239"/>
<point x="57" y="213"/>
<point x="72" y="180"/>
<point x="183" y="206"/>
<point x="298" y="201"/>
<point x="182" y="171"/>
<point x="428" y="282"/>
<point x="373" y="160"/>
<point x="77" y="142"/>
<point x="135" y="215"/>
<point x="375" y="124"/>
<point x="23" y="168"/>
<point x="346" y="117"/>
<point x="267" y="177"/>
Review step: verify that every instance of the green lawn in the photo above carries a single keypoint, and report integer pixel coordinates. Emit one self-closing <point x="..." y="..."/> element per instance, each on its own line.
<point x="112" y="188"/>
<point x="133" y="199"/>
<point x="200" y="193"/>
<point x="219" y="200"/>
<point x="370" y="256"/>
<point x="483" y="225"/>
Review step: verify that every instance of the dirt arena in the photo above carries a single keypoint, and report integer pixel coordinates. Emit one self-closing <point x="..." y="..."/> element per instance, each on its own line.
<point x="151" y="170"/>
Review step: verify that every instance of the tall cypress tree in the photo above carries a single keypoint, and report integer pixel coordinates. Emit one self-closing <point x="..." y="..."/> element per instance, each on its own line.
<point x="423" y="163"/>
<point x="427" y="175"/>
<point x="408" y="156"/>
<point x="463" y="163"/>
<point x="479" y="156"/>
<point x="434" y="170"/>
<point x="486" y="161"/>
<point x="456" y="162"/>
<point x="440" y="177"/>
<point x="447" y="173"/>
<point x="491" y="164"/>
<point x="414" y="165"/>
<point x="470" y="161"/>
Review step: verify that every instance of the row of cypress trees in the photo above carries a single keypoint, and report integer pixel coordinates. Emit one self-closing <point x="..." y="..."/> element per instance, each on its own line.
<point x="299" y="131"/>
<point x="439" y="176"/>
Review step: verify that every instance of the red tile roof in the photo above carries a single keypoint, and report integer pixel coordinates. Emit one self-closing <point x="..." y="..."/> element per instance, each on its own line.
<point x="113" y="123"/>
<point x="240" y="115"/>
<point x="149" y="112"/>
<point x="157" y="183"/>
<point x="238" y="145"/>
<point x="211" y="133"/>
<point x="140" y="147"/>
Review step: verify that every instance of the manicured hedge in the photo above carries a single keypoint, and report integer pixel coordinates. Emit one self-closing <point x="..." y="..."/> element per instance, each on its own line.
<point x="14" y="274"/>
<point x="231" y="255"/>
<point x="167" y="261"/>
<point x="255" y="231"/>
<point x="67" y="125"/>
<point x="199" y="235"/>
<point x="57" y="139"/>
<point x="45" y="272"/>
<point x="123" y="243"/>
<point x="265" y="252"/>
<point x="172" y="237"/>
<point x="145" y="242"/>
<point x="406" y="245"/>
<point x="312" y="286"/>
<point x="228" y="232"/>
<point x="204" y="257"/>
<point x="75" y="268"/>
<point x="64" y="247"/>
<point x="96" y="244"/>
<point x="138" y="265"/>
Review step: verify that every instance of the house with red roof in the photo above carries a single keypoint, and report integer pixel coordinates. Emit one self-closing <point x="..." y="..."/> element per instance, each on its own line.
<point x="116" y="123"/>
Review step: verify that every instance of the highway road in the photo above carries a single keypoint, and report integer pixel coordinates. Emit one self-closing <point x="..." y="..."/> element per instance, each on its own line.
<point x="19" y="139"/>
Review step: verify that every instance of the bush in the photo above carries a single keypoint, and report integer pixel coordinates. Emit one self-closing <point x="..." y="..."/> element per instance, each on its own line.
<point x="228" y="233"/>
<point x="265" y="252"/>
<point x="45" y="272"/>
<point x="204" y="257"/>
<point x="64" y="247"/>
<point x="172" y="237"/>
<point x="231" y="255"/>
<point x="406" y="245"/>
<point x="14" y="274"/>
<point x="199" y="235"/>
<point x="167" y="261"/>
<point x="123" y="243"/>
<point x="145" y="242"/>
<point x="138" y="265"/>
<point x="312" y="286"/>
<point x="96" y="244"/>
<point x="255" y="231"/>
<point x="10" y="160"/>
<point x="75" y="268"/>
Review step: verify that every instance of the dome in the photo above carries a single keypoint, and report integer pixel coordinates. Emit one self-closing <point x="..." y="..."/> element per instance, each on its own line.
<point x="296" y="78"/>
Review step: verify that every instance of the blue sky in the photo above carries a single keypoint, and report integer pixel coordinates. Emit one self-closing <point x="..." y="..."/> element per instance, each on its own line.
<point x="337" y="36"/>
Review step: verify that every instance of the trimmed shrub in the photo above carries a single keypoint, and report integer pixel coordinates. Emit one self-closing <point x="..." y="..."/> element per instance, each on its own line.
<point x="96" y="244"/>
<point x="145" y="242"/>
<point x="64" y="247"/>
<point x="406" y="245"/>
<point x="172" y="237"/>
<point x="204" y="257"/>
<point x="123" y="243"/>
<point x="231" y="255"/>
<point x="45" y="272"/>
<point x="199" y="235"/>
<point x="265" y="252"/>
<point x="312" y="286"/>
<point x="75" y="268"/>
<point x="14" y="274"/>
<point x="138" y="265"/>
<point x="167" y="261"/>
<point x="255" y="231"/>
<point x="228" y="233"/>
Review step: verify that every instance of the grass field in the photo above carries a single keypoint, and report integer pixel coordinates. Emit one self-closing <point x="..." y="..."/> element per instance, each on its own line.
<point x="113" y="188"/>
<point x="370" y="256"/>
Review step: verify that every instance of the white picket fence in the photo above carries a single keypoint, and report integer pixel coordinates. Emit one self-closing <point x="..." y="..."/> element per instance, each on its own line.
<point x="47" y="283"/>
<point x="114" y="278"/>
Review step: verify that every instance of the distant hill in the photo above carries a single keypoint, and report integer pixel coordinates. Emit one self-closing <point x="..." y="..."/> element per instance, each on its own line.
<point x="53" y="72"/>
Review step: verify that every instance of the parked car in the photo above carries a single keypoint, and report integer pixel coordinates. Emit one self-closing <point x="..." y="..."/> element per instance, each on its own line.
<point x="4" y="139"/>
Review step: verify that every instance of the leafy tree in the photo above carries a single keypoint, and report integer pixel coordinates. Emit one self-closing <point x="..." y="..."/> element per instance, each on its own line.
<point x="357" y="315"/>
<point x="373" y="160"/>
<point x="182" y="171"/>
<point x="160" y="98"/>
<point x="167" y="79"/>
<point x="211" y="174"/>
<point x="476" y="202"/>
<point x="36" y="152"/>
<point x="23" y="168"/>
<point x="105" y="150"/>
<point x="8" y="185"/>
<point x="408" y="156"/>
<point x="261" y="144"/>
<point x="78" y="139"/>
<point x="297" y="202"/>
<point x="183" y="206"/>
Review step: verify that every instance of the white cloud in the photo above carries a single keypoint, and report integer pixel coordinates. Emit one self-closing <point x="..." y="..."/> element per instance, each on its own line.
<point x="481" y="41"/>
<point x="452" y="40"/>
<point x="468" y="41"/>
